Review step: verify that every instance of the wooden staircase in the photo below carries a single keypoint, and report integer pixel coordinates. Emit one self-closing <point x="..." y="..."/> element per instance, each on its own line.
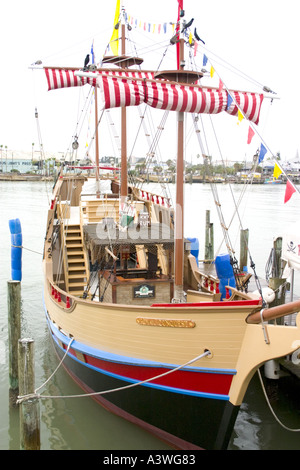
<point x="76" y="267"/>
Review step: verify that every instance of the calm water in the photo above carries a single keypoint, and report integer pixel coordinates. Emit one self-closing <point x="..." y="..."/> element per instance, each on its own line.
<point x="79" y="423"/>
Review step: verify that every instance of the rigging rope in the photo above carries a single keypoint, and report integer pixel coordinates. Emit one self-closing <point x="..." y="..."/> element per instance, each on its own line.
<point x="225" y="228"/>
<point x="104" y="392"/>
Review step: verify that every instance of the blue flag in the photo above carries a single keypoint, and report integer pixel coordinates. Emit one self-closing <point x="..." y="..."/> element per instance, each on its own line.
<point x="229" y="101"/>
<point x="204" y="59"/>
<point x="92" y="52"/>
<point x="262" y="153"/>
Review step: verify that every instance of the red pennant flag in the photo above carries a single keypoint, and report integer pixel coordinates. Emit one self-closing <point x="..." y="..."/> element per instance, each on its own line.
<point x="250" y="135"/>
<point x="221" y="85"/>
<point x="289" y="191"/>
<point x="195" y="48"/>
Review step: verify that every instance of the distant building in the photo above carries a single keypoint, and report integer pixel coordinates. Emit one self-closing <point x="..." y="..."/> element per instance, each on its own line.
<point x="23" y="162"/>
<point x="13" y="161"/>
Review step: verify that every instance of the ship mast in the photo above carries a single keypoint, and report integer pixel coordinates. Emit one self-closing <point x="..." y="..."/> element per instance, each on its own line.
<point x="123" y="62"/>
<point x="124" y="186"/>
<point x="180" y="76"/>
<point x="179" y="213"/>
<point x="97" y="144"/>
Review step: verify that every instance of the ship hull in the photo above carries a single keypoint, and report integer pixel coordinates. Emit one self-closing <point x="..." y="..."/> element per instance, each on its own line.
<point x="185" y="419"/>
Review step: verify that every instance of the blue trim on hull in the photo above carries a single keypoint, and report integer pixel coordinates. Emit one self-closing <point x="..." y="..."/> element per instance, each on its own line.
<point x="168" y="410"/>
<point x="58" y="335"/>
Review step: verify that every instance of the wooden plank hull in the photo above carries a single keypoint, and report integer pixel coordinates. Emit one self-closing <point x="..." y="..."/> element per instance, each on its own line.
<point x="115" y="346"/>
<point x="185" y="419"/>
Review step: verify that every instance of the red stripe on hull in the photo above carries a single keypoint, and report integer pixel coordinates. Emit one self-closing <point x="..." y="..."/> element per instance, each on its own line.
<point x="202" y="382"/>
<point x="233" y="303"/>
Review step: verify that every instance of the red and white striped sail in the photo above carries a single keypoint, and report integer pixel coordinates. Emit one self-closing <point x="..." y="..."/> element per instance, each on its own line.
<point x="65" y="78"/>
<point x="131" y="88"/>
<point x="160" y="94"/>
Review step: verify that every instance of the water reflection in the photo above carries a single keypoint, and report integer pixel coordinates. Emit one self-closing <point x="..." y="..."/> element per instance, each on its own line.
<point x="82" y="423"/>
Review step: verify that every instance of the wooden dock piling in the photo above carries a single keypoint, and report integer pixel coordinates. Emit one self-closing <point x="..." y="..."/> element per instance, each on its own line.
<point x="209" y="238"/>
<point x="29" y="407"/>
<point x="14" y="332"/>
<point x="244" y="239"/>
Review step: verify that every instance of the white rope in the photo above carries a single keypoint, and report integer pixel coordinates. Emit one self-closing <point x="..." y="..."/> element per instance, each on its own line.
<point x="271" y="409"/>
<point x="62" y="360"/>
<point x="23" y="398"/>
<point x="28" y="249"/>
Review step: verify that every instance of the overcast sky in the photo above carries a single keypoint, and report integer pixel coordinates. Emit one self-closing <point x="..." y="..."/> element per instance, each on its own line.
<point x="259" y="37"/>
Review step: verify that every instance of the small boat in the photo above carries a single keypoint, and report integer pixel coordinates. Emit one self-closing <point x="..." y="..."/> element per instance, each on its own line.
<point x="272" y="180"/>
<point x="140" y="327"/>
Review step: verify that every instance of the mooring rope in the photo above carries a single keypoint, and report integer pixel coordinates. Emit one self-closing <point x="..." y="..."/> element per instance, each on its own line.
<point x="38" y="396"/>
<point x="35" y="395"/>
<point x="270" y="407"/>
<point x="62" y="360"/>
<point x="28" y="249"/>
<point x="30" y="396"/>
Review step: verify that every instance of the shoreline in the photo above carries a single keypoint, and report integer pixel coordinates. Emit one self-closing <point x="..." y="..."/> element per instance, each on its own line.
<point x="14" y="177"/>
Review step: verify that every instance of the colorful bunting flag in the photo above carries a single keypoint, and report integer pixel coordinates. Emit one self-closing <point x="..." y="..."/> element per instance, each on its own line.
<point x="195" y="48"/>
<point x="221" y="85"/>
<point x="148" y="27"/>
<point x="204" y="60"/>
<point x="250" y="135"/>
<point x="277" y="171"/>
<point x="114" y="42"/>
<point x="289" y="191"/>
<point x="180" y="7"/>
<point x="229" y="101"/>
<point x="262" y="153"/>
<point x="92" y="53"/>
<point x="240" y="116"/>
<point x="212" y="71"/>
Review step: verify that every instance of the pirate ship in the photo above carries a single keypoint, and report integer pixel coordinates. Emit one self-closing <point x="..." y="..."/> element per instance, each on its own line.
<point x="141" y="328"/>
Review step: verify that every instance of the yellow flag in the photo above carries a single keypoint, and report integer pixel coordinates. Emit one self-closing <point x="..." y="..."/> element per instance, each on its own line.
<point x="212" y="71"/>
<point x="190" y="38"/>
<point x="114" y="42"/>
<point x="277" y="171"/>
<point x="240" y="116"/>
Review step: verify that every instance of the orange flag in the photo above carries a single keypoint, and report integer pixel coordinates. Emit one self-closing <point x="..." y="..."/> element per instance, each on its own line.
<point x="289" y="191"/>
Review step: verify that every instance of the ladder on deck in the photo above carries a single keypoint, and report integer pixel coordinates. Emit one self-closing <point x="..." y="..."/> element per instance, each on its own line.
<point x="76" y="267"/>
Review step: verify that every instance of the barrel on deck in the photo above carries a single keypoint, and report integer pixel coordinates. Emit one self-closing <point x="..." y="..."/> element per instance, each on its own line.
<point x="195" y="248"/>
<point x="225" y="273"/>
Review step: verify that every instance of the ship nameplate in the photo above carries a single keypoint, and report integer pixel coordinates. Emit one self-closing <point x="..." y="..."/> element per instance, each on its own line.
<point x="166" y="322"/>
